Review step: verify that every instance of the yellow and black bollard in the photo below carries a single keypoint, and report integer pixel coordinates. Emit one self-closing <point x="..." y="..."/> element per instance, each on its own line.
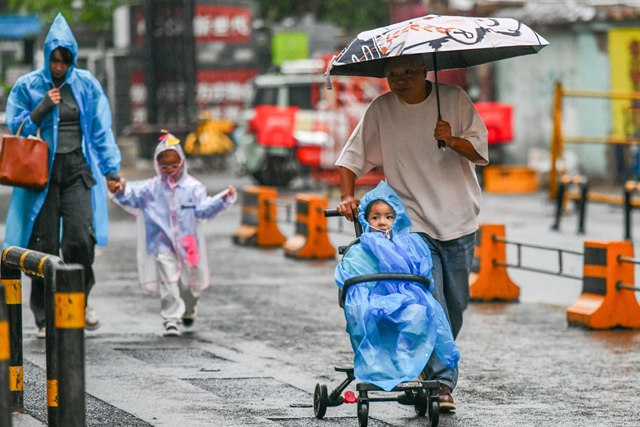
<point x="70" y="304"/>
<point x="602" y="305"/>
<point x="311" y="239"/>
<point x="14" y="261"/>
<point x="259" y="226"/>
<point x="11" y="279"/>
<point x="489" y="281"/>
<point x="5" y="355"/>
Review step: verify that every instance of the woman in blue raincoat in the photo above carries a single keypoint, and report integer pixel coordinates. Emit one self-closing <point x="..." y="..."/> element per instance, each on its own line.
<point x="394" y="326"/>
<point x="73" y="114"/>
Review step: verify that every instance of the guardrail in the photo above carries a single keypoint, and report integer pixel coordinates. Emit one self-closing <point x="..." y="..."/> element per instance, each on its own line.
<point x="64" y="314"/>
<point x="566" y="182"/>
<point x="608" y="275"/>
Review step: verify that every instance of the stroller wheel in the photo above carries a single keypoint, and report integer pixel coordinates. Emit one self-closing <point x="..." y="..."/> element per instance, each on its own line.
<point x="421" y="403"/>
<point x="363" y="413"/>
<point x="320" y="399"/>
<point x="434" y="410"/>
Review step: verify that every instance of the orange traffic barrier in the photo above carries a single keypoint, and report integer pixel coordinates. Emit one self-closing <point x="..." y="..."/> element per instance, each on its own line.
<point x="259" y="225"/>
<point x="311" y="239"/>
<point x="601" y="305"/>
<point x="488" y="281"/>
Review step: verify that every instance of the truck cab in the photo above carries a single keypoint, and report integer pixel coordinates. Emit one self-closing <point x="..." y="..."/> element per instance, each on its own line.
<point x="293" y="126"/>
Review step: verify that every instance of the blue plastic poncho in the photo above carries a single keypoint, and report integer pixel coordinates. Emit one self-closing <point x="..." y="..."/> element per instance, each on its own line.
<point x="394" y="326"/>
<point x="98" y="144"/>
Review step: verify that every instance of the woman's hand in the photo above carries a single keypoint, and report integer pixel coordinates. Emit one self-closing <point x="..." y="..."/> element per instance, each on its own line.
<point x="117" y="186"/>
<point x="54" y="96"/>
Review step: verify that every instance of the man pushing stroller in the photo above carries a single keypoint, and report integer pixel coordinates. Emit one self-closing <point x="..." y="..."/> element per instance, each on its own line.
<point x="394" y="326"/>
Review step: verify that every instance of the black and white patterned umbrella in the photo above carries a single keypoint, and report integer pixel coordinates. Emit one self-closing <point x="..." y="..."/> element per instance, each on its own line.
<point x="458" y="41"/>
<point x="447" y="42"/>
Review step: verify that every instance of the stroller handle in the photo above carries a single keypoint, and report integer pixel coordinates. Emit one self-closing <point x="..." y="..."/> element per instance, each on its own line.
<point x="357" y="227"/>
<point x="399" y="277"/>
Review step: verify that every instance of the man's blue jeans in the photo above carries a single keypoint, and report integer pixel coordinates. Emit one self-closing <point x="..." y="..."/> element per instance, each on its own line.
<point x="451" y="267"/>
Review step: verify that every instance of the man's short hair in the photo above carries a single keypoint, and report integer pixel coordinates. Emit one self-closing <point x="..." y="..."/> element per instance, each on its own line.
<point x="422" y="56"/>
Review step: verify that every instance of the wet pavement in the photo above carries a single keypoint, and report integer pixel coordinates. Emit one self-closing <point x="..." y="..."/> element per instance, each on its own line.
<point x="269" y="328"/>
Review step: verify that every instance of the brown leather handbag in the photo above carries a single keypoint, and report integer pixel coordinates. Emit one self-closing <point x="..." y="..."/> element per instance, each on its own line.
<point x="24" y="162"/>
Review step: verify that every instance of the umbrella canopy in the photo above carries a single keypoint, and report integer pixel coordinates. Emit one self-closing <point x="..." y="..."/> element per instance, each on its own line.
<point x="446" y="42"/>
<point x="458" y="41"/>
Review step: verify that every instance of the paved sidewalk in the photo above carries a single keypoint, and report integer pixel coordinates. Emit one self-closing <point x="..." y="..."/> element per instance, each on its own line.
<point x="270" y="328"/>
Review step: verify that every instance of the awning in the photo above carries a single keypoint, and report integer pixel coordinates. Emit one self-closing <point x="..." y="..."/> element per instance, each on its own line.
<point x="17" y="27"/>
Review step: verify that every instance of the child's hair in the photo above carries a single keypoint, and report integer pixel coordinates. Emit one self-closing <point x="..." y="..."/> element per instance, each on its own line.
<point x="367" y="211"/>
<point x="163" y="153"/>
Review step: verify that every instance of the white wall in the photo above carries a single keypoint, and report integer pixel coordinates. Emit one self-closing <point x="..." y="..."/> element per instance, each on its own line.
<point x="528" y="83"/>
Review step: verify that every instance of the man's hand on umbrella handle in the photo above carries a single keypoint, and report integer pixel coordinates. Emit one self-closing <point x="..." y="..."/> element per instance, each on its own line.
<point x="443" y="132"/>
<point x="348" y="207"/>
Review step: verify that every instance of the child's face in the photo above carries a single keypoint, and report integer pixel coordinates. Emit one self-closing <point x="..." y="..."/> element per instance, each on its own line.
<point x="169" y="162"/>
<point x="381" y="216"/>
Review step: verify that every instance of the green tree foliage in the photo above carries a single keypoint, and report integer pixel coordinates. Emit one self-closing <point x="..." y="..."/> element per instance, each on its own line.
<point x="97" y="13"/>
<point x="352" y="15"/>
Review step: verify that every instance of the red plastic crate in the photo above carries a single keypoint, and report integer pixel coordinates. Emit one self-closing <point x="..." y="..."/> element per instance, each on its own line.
<point x="498" y="118"/>
<point x="274" y="125"/>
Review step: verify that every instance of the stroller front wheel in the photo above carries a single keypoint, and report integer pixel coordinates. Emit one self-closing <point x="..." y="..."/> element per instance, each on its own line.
<point x="320" y="399"/>
<point x="363" y="413"/>
<point x="421" y="403"/>
<point x="434" y="410"/>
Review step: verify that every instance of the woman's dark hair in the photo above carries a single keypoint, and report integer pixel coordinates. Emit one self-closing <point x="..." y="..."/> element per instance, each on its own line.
<point x="67" y="56"/>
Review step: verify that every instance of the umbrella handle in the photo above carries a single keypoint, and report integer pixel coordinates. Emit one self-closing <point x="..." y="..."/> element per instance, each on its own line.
<point x="441" y="143"/>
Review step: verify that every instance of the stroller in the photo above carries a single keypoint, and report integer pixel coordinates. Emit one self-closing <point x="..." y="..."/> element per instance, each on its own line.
<point x="422" y="395"/>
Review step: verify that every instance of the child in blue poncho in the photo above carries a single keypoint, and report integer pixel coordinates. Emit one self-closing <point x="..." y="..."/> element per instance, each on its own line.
<point x="394" y="326"/>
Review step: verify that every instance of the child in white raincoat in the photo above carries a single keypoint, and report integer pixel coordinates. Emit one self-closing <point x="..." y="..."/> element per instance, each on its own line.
<point x="172" y="257"/>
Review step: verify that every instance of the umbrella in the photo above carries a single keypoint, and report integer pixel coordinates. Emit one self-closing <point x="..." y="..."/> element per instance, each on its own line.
<point x="447" y="42"/>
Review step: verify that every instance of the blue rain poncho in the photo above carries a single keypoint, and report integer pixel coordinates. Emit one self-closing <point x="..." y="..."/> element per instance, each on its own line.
<point x="394" y="326"/>
<point x="98" y="143"/>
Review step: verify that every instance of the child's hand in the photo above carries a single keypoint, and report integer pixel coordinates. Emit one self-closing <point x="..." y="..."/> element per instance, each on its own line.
<point x="230" y="192"/>
<point x="117" y="186"/>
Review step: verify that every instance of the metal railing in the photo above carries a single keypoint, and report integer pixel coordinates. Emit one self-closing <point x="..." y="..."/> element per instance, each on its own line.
<point x="519" y="265"/>
<point x="623" y="286"/>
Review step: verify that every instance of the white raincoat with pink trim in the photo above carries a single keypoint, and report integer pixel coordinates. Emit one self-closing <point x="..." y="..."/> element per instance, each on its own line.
<point x="172" y="209"/>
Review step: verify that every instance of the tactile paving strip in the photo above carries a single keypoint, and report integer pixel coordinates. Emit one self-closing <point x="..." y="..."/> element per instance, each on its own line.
<point x="251" y="388"/>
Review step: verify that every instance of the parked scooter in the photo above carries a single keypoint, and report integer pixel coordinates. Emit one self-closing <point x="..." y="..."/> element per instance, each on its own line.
<point x="210" y="145"/>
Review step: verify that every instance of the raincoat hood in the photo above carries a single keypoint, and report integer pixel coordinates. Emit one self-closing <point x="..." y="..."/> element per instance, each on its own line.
<point x="402" y="223"/>
<point x="59" y="35"/>
<point x="170" y="142"/>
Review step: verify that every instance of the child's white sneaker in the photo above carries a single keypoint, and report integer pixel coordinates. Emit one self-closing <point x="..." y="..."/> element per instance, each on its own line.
<point x="42" y="333"/>
<point x="171" y="329"/>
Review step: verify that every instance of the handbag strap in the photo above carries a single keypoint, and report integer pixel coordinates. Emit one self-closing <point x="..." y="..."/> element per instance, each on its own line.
<point x="22" y="124"/>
